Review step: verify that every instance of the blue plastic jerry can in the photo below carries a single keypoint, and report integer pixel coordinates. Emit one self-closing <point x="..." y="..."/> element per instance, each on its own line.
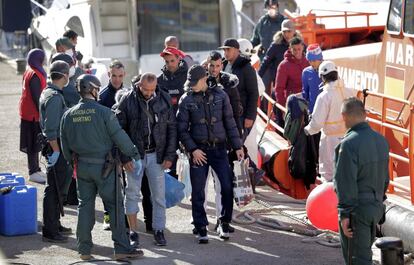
<point x="20" y="179"/>
<point x="18" y="211"/>
<point x="6" y="182"/>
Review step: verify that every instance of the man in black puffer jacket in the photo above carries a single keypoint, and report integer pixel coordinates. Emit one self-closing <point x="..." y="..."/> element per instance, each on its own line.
<point x="205" y="122"/>
<point x="147" y="116"/>
<point x="174" y="75"/>
<point x="229" y="83"/>
<point x="239" y="65"/>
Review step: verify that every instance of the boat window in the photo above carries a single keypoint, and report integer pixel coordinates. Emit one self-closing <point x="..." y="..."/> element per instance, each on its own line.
<point x="194" y="22"/>
<point x="394" y="16"/>
<point x="409" y="17"/>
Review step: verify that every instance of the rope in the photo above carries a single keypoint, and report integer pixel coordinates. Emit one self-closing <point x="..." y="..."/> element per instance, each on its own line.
<point x="323" y="237"/>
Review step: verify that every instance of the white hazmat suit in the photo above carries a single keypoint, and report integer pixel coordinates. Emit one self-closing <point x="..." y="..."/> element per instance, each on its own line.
<point x="326" y="117"/>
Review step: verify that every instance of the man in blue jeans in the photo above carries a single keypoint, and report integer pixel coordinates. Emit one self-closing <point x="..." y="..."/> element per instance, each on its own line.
<point x="146" y="114"/>
<point x="205" y="122"/>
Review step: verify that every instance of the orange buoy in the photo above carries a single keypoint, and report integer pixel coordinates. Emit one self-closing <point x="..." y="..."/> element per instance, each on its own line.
<point x="321" y="207"/>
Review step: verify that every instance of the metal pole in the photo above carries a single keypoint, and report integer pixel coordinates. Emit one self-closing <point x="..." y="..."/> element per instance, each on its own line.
<point x="39" y="5"/>
<point x="410" y="153"/>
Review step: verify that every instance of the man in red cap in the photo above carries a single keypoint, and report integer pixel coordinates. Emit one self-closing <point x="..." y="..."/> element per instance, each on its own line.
<point x="172" y="41"/>
<point x="174" y="74"/>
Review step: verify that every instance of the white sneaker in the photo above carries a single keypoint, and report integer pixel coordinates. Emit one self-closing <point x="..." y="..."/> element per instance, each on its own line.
<point x="43" y="174"/>
<point x="38" y="177"/>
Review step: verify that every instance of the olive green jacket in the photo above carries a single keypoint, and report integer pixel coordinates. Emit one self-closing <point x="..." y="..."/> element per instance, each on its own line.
<point x="361" y="168"/>
<point x="51" y="108"/>
<point x="90" y="130"/>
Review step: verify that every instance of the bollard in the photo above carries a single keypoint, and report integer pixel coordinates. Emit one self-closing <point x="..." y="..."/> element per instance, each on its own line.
<point x="21" y="66"/>
<point x="392" y="250"/>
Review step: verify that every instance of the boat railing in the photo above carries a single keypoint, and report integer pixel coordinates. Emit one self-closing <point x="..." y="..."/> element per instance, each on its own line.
<point x="408" y="132"/>
<point x="309" y="21"/>
<point x="383" y="124"/>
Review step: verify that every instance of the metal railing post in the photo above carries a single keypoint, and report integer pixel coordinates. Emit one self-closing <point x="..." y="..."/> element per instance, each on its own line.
<point x="391" y="174"/>
<point x="410" y="153"/>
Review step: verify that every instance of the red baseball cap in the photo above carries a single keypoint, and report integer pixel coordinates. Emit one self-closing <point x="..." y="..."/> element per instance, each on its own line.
<point x="172" y="51"/>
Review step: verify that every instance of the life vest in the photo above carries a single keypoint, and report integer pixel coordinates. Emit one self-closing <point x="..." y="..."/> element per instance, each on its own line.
<point x="27" y="108"/>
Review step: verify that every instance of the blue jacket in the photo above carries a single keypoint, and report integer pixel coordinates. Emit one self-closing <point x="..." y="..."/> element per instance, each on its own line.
<point x="107" y="96"/>
<point x="206" y="118"/>
<point x="310" y="86"/>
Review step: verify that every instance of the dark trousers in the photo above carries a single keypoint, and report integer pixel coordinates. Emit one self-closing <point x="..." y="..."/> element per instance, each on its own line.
<point x="146" y="202"/>
<point x="217" y="159"/>
<point x="51" y="213"/>
<point x="72" y="196"/>
<point x="29" y="144"/>
<point x="233" y="156"/>
<point x="33" y="162"/>
<point x="268" y="80"/>
<point x="365" y="220"/>
<point x="91" y="183"/>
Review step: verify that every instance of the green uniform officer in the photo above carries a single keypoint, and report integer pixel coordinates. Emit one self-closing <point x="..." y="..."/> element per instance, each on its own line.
<point x="89" y="131"/>
<point x="361" y="179"/>
<point x="51" y="108"/>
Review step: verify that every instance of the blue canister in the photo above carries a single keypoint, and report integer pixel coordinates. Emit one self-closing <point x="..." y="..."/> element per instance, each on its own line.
<point x="18" y="211"/>
<point x="14" y="175"/>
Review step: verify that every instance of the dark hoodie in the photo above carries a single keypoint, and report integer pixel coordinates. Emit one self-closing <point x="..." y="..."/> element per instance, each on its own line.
<point x="173" y="83"/>
<point x="247" y="87"/>
<point x="289" y="77"/>
<point x="229" y="83"/>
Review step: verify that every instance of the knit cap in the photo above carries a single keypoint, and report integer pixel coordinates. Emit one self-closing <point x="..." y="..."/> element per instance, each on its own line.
<point x="314" y="52"/>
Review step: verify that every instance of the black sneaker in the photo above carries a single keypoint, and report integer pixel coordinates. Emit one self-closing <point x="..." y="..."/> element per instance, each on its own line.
<point x="134" y="239"/>
<point x="202" y="235"/>
<point x="223" y="231"/>
<point x="231" y="228"/>
<point x="159" y="238"/>
<point x="195" y="231"/>
<point x="65" y="230"/>
<point x="58" y="238"/>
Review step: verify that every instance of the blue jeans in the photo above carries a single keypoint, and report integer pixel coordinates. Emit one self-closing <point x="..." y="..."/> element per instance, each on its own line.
<point x="218" y="160"/>
<point x="156" y="181"/>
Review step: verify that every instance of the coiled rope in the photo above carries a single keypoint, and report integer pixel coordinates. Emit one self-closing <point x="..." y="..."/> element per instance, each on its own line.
<point x="323" y="237"/>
